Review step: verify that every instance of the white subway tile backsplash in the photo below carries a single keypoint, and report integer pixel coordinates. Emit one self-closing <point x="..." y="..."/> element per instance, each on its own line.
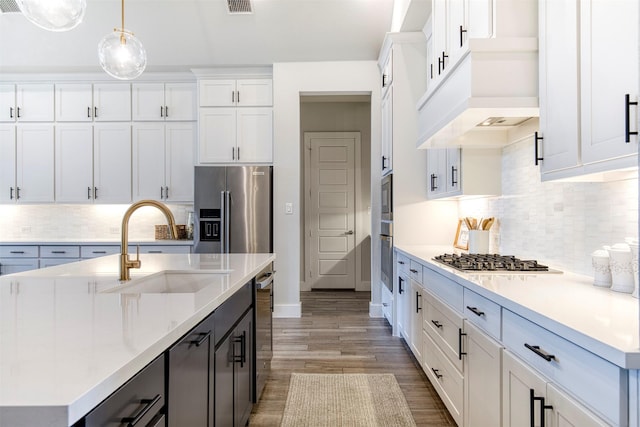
<point x="560" y="223"/>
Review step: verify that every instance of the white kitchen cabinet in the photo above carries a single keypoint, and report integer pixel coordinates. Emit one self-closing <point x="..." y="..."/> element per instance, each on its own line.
<point x="163" y="101"/>
<point x="463" y="172"/>
<point x="386" y="298"/>
<point x="34" y="163"/>
<point x="482" y="379"/>
<point x="93" y="163"/>
<point x="236" y="135"/>
<point x="402" y="297"/>
<point x="387" y="131"/>
<point x="163" y="161"/>
<point x="527" y="394"/>
<point x="7" y="163"/>
<point x="416" y="304"/>
<point x="31" y="102"/>
<point x="86" y="102"/>
<point x="387" y="72"/>
<point x="236" y="93"/>
<point x="15" y="259"/>
<point x="583" y="126"/>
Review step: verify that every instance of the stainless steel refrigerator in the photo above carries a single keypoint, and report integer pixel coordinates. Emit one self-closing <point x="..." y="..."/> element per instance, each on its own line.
<point x="233" y="209"/>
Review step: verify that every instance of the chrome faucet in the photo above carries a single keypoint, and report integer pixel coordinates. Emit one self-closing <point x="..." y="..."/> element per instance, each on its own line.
<point x="125" y="263"/>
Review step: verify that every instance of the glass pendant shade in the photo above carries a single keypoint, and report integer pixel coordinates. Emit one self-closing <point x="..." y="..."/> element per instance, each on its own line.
<point x="53" y="15"/>
<point x="122" y="55"/>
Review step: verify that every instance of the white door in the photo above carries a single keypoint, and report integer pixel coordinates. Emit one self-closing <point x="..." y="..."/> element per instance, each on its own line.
<point x="34" y="163"/>
<point x="112" y="162"/>
<point x="74" y="163"/>
<point x="7" y="163"/>
<point x="148" y="161"/>
<point x="331" y="209"/>
<point x="179" y="140"/>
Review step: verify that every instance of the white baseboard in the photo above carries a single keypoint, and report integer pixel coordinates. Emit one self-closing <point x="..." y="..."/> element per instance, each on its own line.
<point x="287" y="310"/>
<point x="375" y="310"/>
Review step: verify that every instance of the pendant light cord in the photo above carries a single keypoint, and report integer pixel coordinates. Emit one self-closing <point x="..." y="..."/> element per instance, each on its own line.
<point x="122" y="15"/>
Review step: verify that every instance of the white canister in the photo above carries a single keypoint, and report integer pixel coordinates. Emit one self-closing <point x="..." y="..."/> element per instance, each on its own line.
<point x="621" y="263"/>
<point x="601" y="269"/>
<point x="478" y="241"/>
<point x="633" y="245"/>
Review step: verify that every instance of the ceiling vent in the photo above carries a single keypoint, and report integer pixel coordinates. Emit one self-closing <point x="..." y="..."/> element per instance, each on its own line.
<point x="239" y="6"/>
<point x="9" y="6"/>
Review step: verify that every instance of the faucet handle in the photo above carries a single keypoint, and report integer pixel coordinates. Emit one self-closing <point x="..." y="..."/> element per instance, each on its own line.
<point x="136" y="263"/>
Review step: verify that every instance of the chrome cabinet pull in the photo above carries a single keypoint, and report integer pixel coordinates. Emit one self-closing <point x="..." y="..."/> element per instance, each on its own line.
<point x="536" y="349"/>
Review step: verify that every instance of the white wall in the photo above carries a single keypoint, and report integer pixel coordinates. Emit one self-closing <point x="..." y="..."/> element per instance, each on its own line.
<point x="290" y="81"/>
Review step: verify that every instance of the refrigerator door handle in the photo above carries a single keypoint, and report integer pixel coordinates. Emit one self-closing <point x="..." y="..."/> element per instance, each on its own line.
<point x="227" y="219"/>
<point x="223" y="239"/>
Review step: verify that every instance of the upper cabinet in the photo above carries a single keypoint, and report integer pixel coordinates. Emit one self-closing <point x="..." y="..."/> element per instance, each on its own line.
<point x="31" y="102"/>
<point x="164" y="101"/>
<point x="86" y="102"/>
<point x="236" y="93"/>
<point x="588" y="96"/>
<point x="482" y="64"/>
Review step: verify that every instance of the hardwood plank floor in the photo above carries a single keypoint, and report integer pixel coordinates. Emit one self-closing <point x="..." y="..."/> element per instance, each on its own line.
<point x="336" y="335"/>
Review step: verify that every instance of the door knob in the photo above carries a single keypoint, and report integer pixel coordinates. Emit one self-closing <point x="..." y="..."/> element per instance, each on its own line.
<point x="349" y="232"/>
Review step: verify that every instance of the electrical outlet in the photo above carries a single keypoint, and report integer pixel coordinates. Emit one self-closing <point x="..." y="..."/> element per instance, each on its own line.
<point x="288" y="208"/>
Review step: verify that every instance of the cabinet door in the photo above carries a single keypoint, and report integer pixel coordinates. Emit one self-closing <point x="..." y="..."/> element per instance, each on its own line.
<point x="436" y="171"/>
<point x="112" y="102"/>
<point x="179" y="175"/>
<point x="217" y="93"/>
<point x="7" y="163"/>
<point x="453" y="172"/>
<point x="254" y="93"/>
<point x="387" y="132"/>
<point x="243" y="378"/>
<point x="74" y="102"/>
<point x="479" y="19"/>
<point x="522" y="390"/>
<point x="34" y="163"/>
<point x="217" y="135"/>
<point x="74" y="163"/>
<point x="17" y="265"/>
<point x="428" y="30"/>
<point x="112" y="162"/>
<point x="611" y="57"/>
<point x="254" y="135"/>
<point x="456" y="25"/>
<point x="188" y="385"/>
<point x="569" y="413"/>
<point x="180" y="101"/>
<point x="7" y="103"/>
<point x="483" y="379"/>
<point x="224" y="396"/>
<point x="403" y="310"/>
<point x="34" y="102"/>
<point x="416" y="319"/>
<point x="439" y="35"/>
<point x="559" y="111"/>
<point x="148" y="161"/>
<point x="147" y="100"/>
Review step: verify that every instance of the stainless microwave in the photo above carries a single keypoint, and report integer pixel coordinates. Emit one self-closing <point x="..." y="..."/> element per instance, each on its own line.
<point x="386" y="198"/>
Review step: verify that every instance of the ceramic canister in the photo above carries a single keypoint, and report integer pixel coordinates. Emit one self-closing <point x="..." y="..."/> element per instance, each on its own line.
<point x="621" y="263"/>
<point x="633" y="245"/>
<point x="601" y="269"/>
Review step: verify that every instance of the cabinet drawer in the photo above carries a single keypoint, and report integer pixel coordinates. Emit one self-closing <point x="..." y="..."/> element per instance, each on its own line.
<point x="448" y="382"/>
<point x="141" y="397"/>
<point x="483" y="313"/>
<point x="444" y="326"/>
<point x="97" y="251"/>
<point x="231" y="311"/>
<point x="18" y="251"/>
<point x="445" y="289"/>
<point x="570" y="366"/>
<point x="415" y="271"/>
<point x="51" y="262"/>
<point x="59" y="252"/>
<point x="162" y="249"/>
<point x="403" y="263"/>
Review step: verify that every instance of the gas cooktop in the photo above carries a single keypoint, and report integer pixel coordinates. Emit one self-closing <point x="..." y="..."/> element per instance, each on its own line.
<point x="492" y="263"/>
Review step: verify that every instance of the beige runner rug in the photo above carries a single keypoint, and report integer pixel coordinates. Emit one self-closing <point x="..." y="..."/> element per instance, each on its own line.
<point x="345" y="400"/>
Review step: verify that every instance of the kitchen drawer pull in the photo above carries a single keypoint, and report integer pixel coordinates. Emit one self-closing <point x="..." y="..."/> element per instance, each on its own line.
<point x="475" y="311"/>
<point x="148" y="404"/>
<point x="532" y="400"/>
<point x="98" y="252"/>
<point x="58" y="252"/>
<point x="401" y="262"/>
<point x="535" y="144"/>
<point x="627" y="118"/>
<point x="418" y="308"/>
<point x="199" y="341"/>
<point x="536" y="349"/>
<point x="460" y="335"/>
<point x="437" y="324"/>
<point x="437" y="373"/>
<point x="413" y="270"/>
<point x="16" y="252"/>
<point x="155" y="251"/>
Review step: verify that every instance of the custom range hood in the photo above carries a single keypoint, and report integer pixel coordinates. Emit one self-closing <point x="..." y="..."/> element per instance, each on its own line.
<point x="489" y="90"/>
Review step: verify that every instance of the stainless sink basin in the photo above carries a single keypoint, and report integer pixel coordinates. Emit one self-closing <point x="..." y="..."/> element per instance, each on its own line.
<point x="171" y="282"/>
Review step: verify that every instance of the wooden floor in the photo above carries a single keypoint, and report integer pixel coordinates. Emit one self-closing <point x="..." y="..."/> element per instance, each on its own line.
<point x="336" y="335"/>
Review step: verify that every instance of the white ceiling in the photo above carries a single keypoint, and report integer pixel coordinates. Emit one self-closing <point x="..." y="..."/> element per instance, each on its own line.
<point x="183" y="34"/>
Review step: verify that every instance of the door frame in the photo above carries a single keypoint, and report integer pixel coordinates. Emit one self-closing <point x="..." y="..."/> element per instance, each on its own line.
<point x="358" y="237"/>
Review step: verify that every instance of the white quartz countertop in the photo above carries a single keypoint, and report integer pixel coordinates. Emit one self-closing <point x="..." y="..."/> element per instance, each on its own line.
<point x="67" y="341"/>
<point x="597" y="319"/>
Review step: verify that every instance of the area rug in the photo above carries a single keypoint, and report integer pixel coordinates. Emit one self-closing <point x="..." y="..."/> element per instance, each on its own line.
<point x="345" y="400"/>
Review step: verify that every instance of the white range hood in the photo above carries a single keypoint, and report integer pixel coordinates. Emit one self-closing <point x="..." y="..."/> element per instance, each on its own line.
<point x="491" y="89"/>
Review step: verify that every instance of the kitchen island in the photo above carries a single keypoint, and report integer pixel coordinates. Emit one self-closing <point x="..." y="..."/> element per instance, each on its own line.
<point x="71" y="335"/>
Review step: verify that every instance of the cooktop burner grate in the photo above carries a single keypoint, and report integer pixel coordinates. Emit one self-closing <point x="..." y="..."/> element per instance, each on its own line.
<point x="491" y="263"/>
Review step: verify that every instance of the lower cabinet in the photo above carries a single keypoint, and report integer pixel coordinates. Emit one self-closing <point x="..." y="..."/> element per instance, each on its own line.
<point x="528" y="399"/>
<point x="403" y="309"/>
<point x="415" y="341"/>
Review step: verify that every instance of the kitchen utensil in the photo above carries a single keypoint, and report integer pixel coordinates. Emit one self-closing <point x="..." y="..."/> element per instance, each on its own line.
<point x="467" y="221"/>
<point x="601" y="268"/>
<point x="489" y="223"/>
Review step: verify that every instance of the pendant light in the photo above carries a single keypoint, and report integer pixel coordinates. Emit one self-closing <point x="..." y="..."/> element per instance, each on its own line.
<point x="121" y="54"/>
<point x="53" y="15"/>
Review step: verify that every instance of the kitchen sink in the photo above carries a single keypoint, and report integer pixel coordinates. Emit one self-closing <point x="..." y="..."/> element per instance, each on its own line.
<point x="170" y="282"/>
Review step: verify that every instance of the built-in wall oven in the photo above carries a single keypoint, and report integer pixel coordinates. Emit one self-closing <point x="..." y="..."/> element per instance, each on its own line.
<point x="386" y="198"/>
<point x="386" y="254"/>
